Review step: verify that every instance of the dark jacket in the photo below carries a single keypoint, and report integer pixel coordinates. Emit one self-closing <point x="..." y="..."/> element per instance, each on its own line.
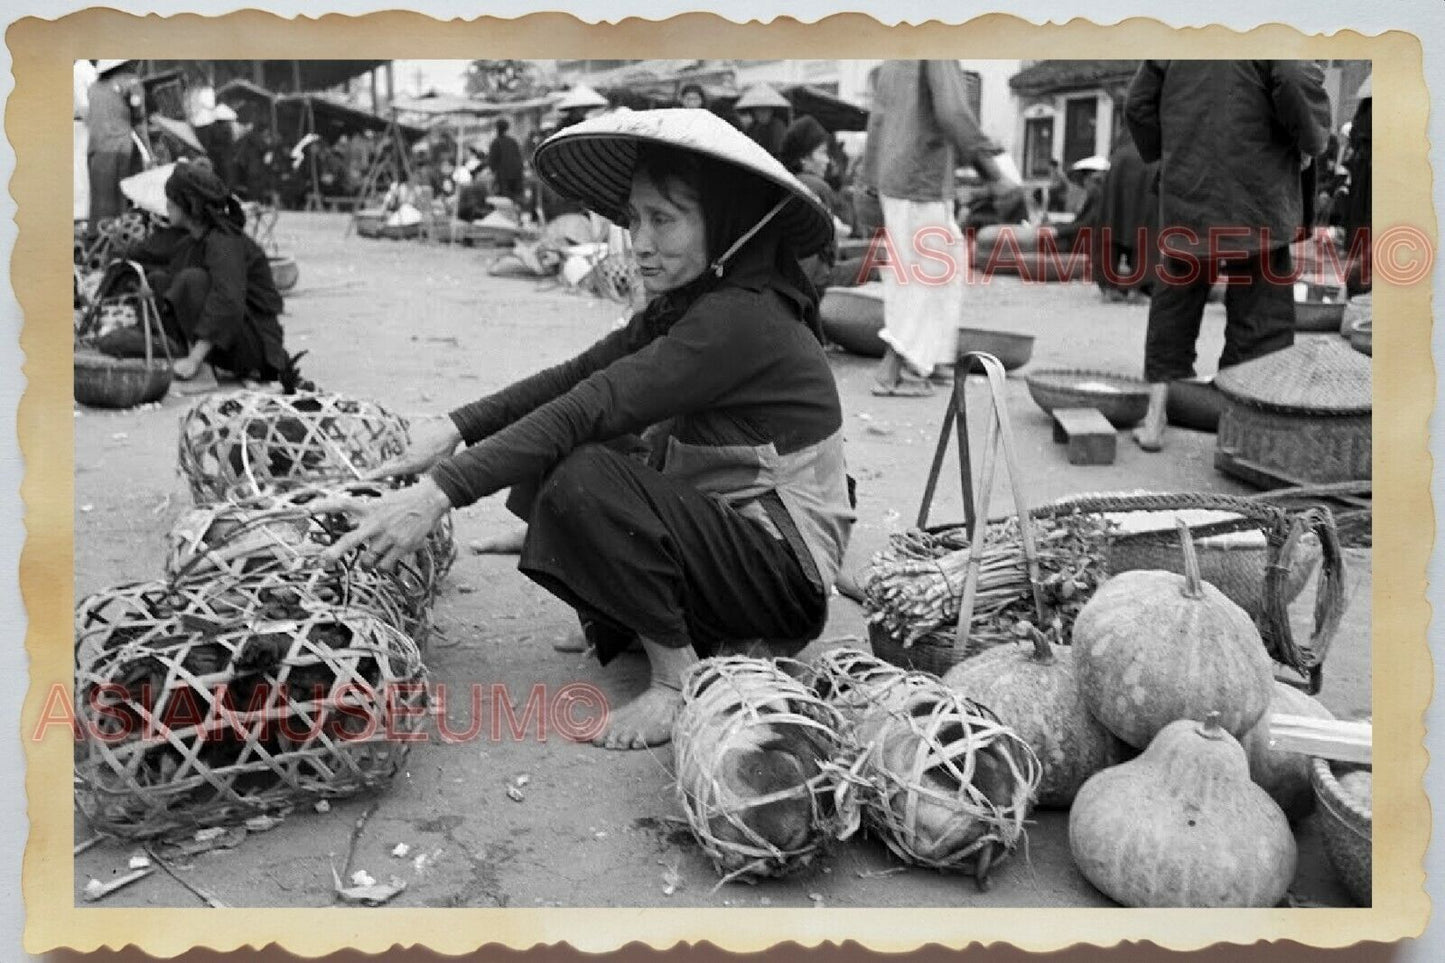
<point x="743" y="385"/>
<point x="504" y="157"/>
<point x="1229" y="135"/>
<point x="920" y="130"/>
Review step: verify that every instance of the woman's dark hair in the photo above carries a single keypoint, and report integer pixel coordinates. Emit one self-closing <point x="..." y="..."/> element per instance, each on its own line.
<point x="685" y="89"/>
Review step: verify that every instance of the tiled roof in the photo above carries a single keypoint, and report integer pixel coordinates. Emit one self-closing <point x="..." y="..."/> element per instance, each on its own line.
<point x="1051" y="75"/>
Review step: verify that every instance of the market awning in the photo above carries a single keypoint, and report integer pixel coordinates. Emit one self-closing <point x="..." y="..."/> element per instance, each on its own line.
<point x="332" y="119"/>
<point x="1053" y="76"/>
<point x="436" y="105"/>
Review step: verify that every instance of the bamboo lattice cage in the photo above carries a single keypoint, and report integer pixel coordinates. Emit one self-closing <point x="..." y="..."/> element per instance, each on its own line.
<point x="190" y="722"/>
<point x="946" y="784"/>
<point x="267" y="545"/>
<point x="733" y="708"/>
<point x="233" y="446"/>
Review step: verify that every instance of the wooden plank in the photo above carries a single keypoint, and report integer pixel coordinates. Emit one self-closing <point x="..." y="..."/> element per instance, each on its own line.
<point x="1329" y="738"/>
<point x="1090" y="437"/>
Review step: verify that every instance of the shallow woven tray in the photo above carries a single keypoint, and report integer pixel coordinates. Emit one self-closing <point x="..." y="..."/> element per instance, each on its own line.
<point x="1346" y="827"/>
<point x="1318" y="316"/>
<point x="1059" y="388"/>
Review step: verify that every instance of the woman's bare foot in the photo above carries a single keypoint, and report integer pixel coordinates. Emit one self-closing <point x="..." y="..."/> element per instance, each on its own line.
<point x="1150" y="434"/>
<point x="185" y="368"/>
<point x="647" y="720"/>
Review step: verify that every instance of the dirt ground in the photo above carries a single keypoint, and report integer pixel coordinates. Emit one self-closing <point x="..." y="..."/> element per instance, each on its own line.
<point x="423" y="328"/>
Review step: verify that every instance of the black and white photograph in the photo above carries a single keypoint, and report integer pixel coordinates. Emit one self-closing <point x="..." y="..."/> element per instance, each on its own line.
<point x="722" y="483"/>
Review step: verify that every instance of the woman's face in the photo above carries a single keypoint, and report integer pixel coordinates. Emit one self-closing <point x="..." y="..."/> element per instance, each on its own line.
<point x="176" y="214"/>
<point x="816" y="163"/>
<point x="669" y="239"/>
<point x="692" y="99"/>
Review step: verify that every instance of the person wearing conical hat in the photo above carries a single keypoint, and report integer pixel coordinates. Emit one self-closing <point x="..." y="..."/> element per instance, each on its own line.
<point x="578" y="104"/>
<point x="764" y="114"/>
<point x="731" y="533"/>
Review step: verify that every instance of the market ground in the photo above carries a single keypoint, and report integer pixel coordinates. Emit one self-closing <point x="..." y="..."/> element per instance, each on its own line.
<point x="421" y="329"/>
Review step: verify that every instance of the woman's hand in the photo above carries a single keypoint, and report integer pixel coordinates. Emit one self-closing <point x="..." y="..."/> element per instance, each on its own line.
<point x="389" y="528"/>
<point x="431" y="441"/>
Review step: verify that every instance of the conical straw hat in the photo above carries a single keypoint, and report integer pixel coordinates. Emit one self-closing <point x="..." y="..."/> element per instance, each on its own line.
<point x="593" y="162"/>
<point x="580" y="96"/>
<point x="761" y="95"/>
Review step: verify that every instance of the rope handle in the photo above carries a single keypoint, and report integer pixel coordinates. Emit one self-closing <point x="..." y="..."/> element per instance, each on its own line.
<point x="999" y="434"/>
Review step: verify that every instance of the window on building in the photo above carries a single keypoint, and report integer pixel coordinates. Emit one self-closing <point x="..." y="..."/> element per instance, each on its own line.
<point x="1081" y="122"/>
<point x="1038" y="146"/>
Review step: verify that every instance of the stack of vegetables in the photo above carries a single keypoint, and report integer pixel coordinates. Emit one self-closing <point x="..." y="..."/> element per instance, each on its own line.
<point x="913" y="588"/>
<point x="254" y="675"/>
<point x="1151" y="729"/>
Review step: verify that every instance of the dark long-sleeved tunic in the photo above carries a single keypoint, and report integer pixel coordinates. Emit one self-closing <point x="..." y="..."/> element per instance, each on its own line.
<point x="745" y="388"/>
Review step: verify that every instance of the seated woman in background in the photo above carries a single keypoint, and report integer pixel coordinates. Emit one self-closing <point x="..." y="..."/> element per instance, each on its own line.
<point x="214" y="285"/>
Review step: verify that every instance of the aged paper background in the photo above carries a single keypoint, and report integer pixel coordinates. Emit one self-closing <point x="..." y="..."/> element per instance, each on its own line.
<point x="38" y="127"/>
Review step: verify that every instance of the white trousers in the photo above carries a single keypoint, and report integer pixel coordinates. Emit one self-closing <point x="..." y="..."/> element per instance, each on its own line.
<point x="923" y="297"/>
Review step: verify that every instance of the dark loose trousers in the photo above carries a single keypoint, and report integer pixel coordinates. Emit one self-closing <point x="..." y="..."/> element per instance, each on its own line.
<point x="637" y="553"/>
<point x="1258" y="305"/>
<point x="244" y="348"/>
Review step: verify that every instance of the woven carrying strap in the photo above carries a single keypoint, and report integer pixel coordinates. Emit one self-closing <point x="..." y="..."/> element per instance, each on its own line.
<point x="1283" y="531"/>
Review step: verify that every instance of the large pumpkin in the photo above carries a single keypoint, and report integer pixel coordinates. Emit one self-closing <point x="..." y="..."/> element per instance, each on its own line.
<point x="1034" y="692"/>
<point x="1155" y="647"/>
<point x="1183" y="825"/>
<point x="1284" y="775"/>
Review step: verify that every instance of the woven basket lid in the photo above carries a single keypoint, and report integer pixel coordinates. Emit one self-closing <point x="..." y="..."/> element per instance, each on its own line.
<point x="1318" y="376"/>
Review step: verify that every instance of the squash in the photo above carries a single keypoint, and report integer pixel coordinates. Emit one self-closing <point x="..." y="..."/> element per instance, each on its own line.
<point x="1035" y="693"/>
<point x="1155" y="647"/>
<point x="1284" y="775"/>
<point x="1183" y="825"/>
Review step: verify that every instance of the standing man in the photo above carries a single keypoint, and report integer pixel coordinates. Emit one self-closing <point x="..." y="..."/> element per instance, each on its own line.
<point x="114" y="101"/>
<point x="920" y="129"/>
<point x="1232" y="137"/>
<point x="504" y="157"/>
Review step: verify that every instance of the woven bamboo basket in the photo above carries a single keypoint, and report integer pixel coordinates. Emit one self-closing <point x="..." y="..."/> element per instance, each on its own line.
<point x="266" y="551"/>
<point x="735" y="706"/>
<point x="368" y="223"/>
<point x="1120" y="399"/>
<point x="1260" y="555"/>
<point x="233" y="446"/>
<point x="285" y="272"/>
<point x="947" y="785"/>
<point x="1346" y="826"/>
<point x="1299" y="416"/>
<point x="102" y="381"/>
<point x="193" y="723"/>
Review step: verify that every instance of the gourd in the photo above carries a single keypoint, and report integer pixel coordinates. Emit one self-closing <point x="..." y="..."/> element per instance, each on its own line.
<point x="1035" y="693"/>
<point x="1155" y="647"/>
<point x="1284" y="775"/>
<point x="1183" y="825"/>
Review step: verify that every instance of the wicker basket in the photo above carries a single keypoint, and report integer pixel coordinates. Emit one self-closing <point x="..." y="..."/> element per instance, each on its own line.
<point x="1361" y="335"/>
<point x="1124" y="406"/>
<point x="235" y="446"/>
<point x="853" y="317"/>
<point x="1346" y="826"/>
<point x="368" y="223"/>
<point x="194" y="723"/>
<point x="736" y="705"/>
<point x="105" y="382"/>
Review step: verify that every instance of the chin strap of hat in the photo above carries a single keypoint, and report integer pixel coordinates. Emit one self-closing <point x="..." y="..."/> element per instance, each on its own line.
<point x="720" y="264"/>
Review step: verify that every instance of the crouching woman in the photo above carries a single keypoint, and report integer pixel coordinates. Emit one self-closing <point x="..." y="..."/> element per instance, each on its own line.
<point x="730" y="535"/>
<point x="218" y="299"/>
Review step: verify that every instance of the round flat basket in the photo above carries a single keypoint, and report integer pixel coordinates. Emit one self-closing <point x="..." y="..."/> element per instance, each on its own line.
<point x="105" y="382"/>
<point x="1361" y="335"/>
<point x="284" y="272"/>
<point x="1122" y="400"/>
<point x="1345" y="824"/>
<point x="933" y="653"/>
<point x="1012" y="350"/>
<point x="369" y="223"/>
<point x="853" y="317"/>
